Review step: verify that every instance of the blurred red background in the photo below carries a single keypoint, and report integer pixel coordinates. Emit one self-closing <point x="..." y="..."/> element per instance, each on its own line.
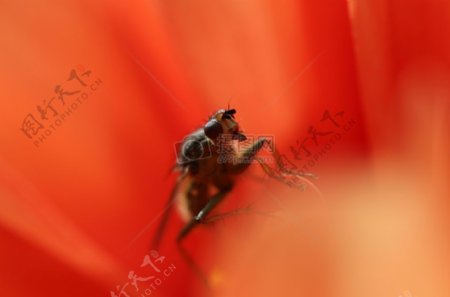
<point x="76" y="212"/>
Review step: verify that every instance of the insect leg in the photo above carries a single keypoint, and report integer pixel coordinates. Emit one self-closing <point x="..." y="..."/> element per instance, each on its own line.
<point x="193" y="266"/>
<point x="292" y="178"/>
<point x="245" y="210"/>
<point x="212" y="203"/>
<point x="166" y="212"/>
<point x="245" y="159"/>
<point x="282" y="167"/>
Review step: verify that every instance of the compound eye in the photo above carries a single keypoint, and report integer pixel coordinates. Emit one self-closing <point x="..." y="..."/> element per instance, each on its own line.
<point x="213" y="129"/>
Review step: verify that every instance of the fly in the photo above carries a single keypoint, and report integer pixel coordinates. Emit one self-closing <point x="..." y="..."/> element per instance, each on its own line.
<point x="208" y="165"/>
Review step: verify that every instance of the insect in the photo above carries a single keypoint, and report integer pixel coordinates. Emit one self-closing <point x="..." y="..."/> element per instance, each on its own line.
<point x="209" y="165"/>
